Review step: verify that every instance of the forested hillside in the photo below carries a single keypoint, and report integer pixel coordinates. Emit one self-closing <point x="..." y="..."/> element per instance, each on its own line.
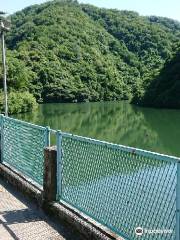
<point x="63" y="51"/>
<point x="164" y="91"/>
<point x="153" y="40"/>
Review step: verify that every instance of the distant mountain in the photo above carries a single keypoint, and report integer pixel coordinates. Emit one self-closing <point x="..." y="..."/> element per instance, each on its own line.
<point x="63" y="51"/>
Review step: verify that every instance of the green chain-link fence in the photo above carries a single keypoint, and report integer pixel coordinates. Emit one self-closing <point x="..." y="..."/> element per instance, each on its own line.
<point x="120" y="187"/>
<point x="22" y="147"/>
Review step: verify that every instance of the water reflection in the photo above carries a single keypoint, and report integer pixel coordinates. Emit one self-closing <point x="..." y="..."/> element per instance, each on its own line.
<point x="117" y="122"/>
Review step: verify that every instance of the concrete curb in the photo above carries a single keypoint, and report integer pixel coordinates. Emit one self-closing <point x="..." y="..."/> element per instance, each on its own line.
<point x="89" y="228"/>
<point x="21" y="184"/>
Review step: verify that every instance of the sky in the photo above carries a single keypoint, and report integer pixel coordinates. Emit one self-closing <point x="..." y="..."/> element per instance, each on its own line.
<point x="165" y="8"/>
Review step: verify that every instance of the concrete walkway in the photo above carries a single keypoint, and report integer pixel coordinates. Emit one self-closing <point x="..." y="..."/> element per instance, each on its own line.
<point x="22" y="220"/>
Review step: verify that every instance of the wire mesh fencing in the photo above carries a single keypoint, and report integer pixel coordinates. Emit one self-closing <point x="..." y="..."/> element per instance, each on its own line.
<point x="120" y="187"/>
<point x="123" y="188"/>
<point x="22" y="147"/>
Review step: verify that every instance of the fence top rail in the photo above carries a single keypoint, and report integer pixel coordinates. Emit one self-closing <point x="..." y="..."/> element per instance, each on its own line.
<point x="132" y="150"/>
<point x="52" y="131"/>
<point x="23" y="122"/>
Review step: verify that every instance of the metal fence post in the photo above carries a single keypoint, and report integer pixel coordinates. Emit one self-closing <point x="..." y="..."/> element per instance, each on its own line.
<point x="178" y="203"/>
<point x="59" y="164"/>
<point x="4" y="74"/>
<point x="1" y="137"/>
<point x="48" y="140"/>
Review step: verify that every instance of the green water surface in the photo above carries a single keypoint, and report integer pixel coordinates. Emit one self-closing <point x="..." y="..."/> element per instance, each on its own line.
<point x="118" y="122"/>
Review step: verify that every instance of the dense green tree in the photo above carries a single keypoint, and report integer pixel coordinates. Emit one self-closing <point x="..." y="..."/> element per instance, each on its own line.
<point x="164" y="91"/>
<point x="18" y="102"/>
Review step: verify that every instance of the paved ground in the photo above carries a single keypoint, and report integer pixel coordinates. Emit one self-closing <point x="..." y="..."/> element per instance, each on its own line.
<point x="22" y="220"/>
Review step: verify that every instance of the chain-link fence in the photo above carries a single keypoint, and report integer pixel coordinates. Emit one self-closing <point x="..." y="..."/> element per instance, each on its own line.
<point x="22" y="147"/>
<point x="120" y="187"/>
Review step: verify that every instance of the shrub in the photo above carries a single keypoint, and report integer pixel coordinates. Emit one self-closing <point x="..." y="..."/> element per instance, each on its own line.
<point x="18" y="102"/>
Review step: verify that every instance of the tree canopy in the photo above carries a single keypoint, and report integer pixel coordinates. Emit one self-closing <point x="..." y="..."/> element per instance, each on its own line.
<point x="164" y="90"/>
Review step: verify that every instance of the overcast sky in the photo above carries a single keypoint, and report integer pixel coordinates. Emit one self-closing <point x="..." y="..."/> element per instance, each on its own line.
<point x="165" y="8"/>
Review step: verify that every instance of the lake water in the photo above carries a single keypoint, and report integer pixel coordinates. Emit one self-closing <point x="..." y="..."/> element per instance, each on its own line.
<point x="118" y="122"/>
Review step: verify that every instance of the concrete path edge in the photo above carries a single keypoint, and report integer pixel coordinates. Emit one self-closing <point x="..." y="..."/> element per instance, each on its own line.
<point x="86" y="226"/>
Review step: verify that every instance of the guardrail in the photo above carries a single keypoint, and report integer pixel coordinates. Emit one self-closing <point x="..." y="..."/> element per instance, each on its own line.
<point x="123" y="188"/>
